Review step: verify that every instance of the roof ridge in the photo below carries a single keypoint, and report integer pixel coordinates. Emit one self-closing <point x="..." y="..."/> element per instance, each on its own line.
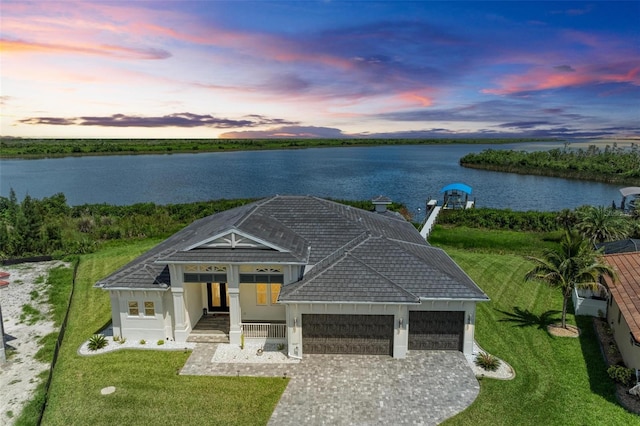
<point x="366" y="265"/>
<point x="252" y="210"/>
<point x="338" y="253"/>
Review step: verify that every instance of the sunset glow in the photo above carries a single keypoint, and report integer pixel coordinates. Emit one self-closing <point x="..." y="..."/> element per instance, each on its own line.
<point x="208" y="69"/>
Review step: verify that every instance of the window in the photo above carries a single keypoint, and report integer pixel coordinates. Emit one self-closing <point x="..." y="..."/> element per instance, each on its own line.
<point x="275" y="291"/>
<point x="267" y="294"/>
<point x="133" y="309"/>
<point x="149" y="309"/>
<point x="261" y="294"/>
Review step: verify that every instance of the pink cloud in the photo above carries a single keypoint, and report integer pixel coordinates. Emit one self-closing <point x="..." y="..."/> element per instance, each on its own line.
<point x="18" y="46"/>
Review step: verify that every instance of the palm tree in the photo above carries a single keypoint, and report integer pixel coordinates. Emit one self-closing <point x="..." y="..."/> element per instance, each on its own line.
<point x="573" y="264"/>
<point x="600" y="224"/>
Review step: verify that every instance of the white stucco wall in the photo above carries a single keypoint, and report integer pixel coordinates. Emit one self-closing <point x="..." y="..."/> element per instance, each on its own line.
<point x="141" y="326"/>
<point x="251" y="311"/>
<point x="622" y="333"/>
<point x="194" y="303"/>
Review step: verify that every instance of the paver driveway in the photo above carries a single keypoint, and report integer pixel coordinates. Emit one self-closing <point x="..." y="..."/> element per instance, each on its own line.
<point x="425" y="388"/>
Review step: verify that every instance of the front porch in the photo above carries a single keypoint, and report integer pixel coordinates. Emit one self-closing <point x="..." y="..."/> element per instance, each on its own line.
<point x="214" y="328"/>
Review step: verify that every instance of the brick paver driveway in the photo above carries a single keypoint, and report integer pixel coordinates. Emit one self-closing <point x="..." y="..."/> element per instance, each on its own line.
<point x="425" y="388"/>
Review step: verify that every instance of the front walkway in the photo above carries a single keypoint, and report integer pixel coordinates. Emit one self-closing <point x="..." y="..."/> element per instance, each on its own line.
<point x="425" y="388"/>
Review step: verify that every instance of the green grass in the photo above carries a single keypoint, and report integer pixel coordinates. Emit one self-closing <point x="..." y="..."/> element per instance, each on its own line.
<point x="559" y="381"/>
<point x="481" y="240"/>
<point x="148" y="387"/>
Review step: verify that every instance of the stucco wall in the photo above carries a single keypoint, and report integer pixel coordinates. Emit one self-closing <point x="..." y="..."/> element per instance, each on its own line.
<point x="251" y="311"/>
<point x="149" y="328"/>
<point x="622" y="334"/>
<point x="194" y="303"/>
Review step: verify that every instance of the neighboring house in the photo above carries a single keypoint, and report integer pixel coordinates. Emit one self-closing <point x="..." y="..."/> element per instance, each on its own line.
<point x="322" y="276"/>
<point x="621" y="246"/>
<point x="623" y="313"/>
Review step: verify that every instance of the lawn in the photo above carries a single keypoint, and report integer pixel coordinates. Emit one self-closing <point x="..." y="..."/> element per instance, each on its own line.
<point x="559" y="381"/>
<point x="148" y="388"/>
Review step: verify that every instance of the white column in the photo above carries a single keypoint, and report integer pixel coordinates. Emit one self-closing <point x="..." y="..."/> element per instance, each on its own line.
<point x="116" y="314"/>
<point x="235" y="316"/>
<point x="401" y="332"/>
<point x="469" y="328"/>
<point x="180" y="327"/>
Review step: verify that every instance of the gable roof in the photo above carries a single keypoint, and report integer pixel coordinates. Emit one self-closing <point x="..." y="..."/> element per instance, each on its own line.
<point x="626" y="290"/>
<point x="348" y="254"/>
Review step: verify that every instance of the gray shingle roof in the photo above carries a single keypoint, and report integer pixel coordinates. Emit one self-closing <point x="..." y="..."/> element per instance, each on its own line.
<point x="351" y="255"/>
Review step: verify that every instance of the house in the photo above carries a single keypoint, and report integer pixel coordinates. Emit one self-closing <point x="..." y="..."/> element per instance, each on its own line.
<point x="623" y="313"/>
<point x="320" y="276"/>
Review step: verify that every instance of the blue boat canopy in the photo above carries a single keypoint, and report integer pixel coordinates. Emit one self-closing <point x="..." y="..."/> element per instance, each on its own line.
<point x="457" y="186"/>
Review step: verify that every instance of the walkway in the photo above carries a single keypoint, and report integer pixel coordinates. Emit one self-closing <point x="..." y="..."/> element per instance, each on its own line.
<point x="430" y="222"/>
<point x="425" y="388"/>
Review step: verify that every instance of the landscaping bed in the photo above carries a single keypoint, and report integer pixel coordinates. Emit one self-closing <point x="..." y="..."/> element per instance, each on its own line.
<point x="612" y="356"/>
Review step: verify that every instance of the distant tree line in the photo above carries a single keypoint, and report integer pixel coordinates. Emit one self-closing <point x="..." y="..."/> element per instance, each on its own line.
<point x="38" y="148"/>
<point x="611" y="164"/>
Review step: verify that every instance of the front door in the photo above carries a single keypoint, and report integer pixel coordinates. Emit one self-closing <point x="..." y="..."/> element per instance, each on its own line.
<point x="218" y="297"/>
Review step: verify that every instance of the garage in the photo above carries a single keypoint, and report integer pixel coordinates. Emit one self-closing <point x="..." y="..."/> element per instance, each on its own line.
<point x="436" y="330"/>
<point x="347" y="334"/>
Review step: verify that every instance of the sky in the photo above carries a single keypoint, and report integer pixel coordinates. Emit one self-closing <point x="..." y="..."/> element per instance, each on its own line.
<point x="322" y="69"/>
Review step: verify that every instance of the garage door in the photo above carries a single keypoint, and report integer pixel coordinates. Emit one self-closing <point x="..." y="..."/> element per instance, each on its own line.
<point x="437" y="330"/>
<point x="347" y="334"/>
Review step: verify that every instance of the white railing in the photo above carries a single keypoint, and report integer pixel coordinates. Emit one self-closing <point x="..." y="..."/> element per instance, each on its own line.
<point x="259" y="330"/>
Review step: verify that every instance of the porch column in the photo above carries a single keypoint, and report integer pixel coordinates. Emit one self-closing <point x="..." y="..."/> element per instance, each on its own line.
<point x="469" y="328"/>
<point x="180" y="328"/>
<point x="235" y="316"/>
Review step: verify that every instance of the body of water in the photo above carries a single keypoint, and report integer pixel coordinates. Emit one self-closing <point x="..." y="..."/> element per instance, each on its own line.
<point x="409" y="174"/>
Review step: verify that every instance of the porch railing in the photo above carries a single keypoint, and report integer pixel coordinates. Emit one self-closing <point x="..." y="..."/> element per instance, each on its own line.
<point x="258" y="330"/>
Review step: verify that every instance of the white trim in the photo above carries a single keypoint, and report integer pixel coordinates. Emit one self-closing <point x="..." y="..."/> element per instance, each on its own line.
<point x="232" y="243"/>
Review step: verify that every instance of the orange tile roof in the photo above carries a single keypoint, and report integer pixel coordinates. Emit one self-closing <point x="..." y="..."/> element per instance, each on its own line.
<point x="626" y="290"/>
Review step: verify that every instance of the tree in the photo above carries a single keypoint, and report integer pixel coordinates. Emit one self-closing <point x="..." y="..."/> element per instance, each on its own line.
<point x="600" y="224"/>
<point x="574" y="264"/>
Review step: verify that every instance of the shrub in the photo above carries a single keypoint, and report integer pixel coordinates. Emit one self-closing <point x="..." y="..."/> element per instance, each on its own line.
<point x="160" y="342"/>
<point x="487" y="361"/>
<point x="143" y="342"/>
<point x="621" y="374"/>
<point x="97" y="341"/>
<point x="280" y="346"/>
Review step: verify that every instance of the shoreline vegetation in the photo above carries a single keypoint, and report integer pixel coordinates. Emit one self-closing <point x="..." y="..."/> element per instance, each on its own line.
<point x="55" y="148"/>
<point x="610" y="165"/>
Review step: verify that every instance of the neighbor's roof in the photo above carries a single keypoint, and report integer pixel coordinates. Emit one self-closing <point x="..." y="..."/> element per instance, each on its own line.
<point x="622" y="246"/>
<point x="349" y="254"/>
<point x="457" y="187"/>
<point x="626" y="290"/>
<point x="630" y="190"/>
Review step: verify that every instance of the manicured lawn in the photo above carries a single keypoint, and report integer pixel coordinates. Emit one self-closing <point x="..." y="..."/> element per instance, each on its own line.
<point x="148" y="388"/>
<point x="559" y="381"/>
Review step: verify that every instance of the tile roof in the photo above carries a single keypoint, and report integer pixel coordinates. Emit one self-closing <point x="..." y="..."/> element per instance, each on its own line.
<point x="349" y="254"/>
<point x="626" y="290"/>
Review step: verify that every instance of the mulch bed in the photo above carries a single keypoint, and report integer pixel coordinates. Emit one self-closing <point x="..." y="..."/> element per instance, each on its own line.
<point x="613" y="357"/>
<point x="559" y="331"/>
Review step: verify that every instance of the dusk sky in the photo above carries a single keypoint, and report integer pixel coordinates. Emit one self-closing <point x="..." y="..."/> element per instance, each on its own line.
<point x="208" y="69"/>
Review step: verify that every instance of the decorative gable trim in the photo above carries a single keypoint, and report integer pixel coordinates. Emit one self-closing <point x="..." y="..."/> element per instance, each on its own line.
<point x="236" y="239"/>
